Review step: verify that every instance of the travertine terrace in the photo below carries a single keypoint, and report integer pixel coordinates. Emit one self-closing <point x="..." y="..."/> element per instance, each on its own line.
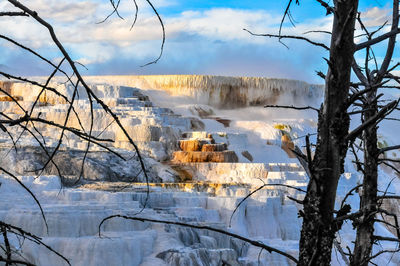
<point x="207" y="143"/>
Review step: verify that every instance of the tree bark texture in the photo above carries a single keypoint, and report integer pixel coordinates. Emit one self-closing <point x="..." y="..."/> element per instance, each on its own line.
<point x="368" y="200"/>
<point x="318" y="230"/>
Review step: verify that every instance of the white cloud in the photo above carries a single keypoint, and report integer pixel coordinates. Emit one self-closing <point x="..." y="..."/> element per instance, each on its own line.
<point x="59" y="11"/>
<point x="376" y="17"/>
<point x="193" y="37"/>
<point x="66" y="12"/>
<point x="215" y="24"/>
<point x="223" y="24"/>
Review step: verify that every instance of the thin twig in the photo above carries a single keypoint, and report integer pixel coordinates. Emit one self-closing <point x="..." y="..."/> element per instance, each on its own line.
<point x="289" y="37"/>
<point x="292" y="107"/>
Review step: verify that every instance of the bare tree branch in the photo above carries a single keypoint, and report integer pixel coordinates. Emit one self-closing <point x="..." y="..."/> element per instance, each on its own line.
<point x="12" y="261"/>
<point x="390" y="148"/>
<point x="376" y="40"/>
<point x="255" y="191"/>
<point x="388" y="197"/>
<point x="292" y="107"/>
<point x="380" y="253"/>
<point x="31" y="237"/>
<point x="34" y="53"/>
<point x="88" y="90"/>
<point x="350" y="193"/>
<point x="115" y="11"/>
<point x="290" y="37"/>
<point x="329" y="9"/>
<point x="287" y="13"/>
<point x="136" y="14"/>
<point x="30" y="192"/>
<point x="382" y="238"/>
<point x="163" y="34"/>
<point x="7" y="244"/>
<point x="357" y="131"/>
<point x="13" y="14"/>
<point x="392" y="41"/>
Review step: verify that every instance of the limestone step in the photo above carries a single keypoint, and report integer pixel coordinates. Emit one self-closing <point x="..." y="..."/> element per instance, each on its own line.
<point x="193" y="144"/>
<point x="224" y="121"/>
<point x="72" y="222"/>
<point x="127" y="101"/>
<point x="137" y="110"/>
<point x="190" y="201"/>
<point x="235" y="141"/>
<point x="93" y="250"/>
<point x="287" y="175"/>
<point x="184" y="189"/>
<point x="196" y="135"/>
<point x="73" y="216"/>
<point x="214" y="147"/>
<point x="283" y="167"/>
<point x="245" y="173"/>
<point x="5" y="98"/>
<point x="200" y="157"/>
<point x="197" y="214"/>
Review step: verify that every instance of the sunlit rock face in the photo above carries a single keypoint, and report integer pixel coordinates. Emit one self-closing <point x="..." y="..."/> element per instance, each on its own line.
<point x="201" y="147"/>
<point x="204" y="156"/>
<point x="199" y="172"/>
<point x="224" y="92"/>
<point x="154" y="130"/>
<point x="182" y="125"/>
<point x="288" y="146"/>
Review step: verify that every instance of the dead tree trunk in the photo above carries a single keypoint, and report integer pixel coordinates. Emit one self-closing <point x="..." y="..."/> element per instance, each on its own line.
<point x="368" y="201"/>
<point x="318" y="229"/>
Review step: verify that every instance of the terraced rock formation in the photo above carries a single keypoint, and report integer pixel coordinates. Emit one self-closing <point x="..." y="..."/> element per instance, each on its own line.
<point x="73" y="216"/>
<point x="201" y="147"/>
<point x="220" y="91"/>
<point x="200" y="170"/>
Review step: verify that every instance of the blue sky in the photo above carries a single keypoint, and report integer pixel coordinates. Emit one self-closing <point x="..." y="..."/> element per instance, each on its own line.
<point x="203" y="37"/>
